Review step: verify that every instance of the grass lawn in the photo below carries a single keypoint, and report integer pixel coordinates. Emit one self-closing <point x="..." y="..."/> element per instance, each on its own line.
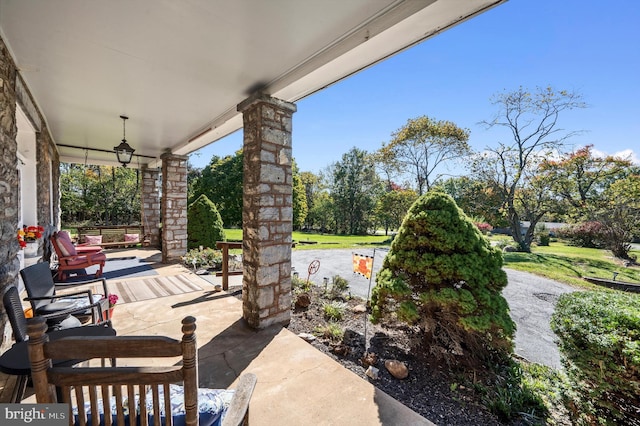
<point x="306" y="241"/>
<point x="558" y="261"/>
<point x="568" y="264"/>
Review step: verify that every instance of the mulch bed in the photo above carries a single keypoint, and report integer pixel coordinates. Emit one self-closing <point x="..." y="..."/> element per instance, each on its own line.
<point x="428" y="390"/>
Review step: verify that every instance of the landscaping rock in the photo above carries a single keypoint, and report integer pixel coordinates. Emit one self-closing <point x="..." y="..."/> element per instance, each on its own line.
<point x="303" y="300"/>
<point x="307" y="337"/>
<point x="369" y="359"/>
<point x="398" y="369"/>
<point x="372" y="373"/>
<point x="359" y="309"/>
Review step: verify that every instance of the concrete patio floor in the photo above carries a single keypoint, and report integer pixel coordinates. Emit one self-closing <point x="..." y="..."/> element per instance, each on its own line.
<point x="297" y="384"/>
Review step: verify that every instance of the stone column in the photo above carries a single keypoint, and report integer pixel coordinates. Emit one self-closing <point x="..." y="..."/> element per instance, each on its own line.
<point x="174" y="207"/>
<point x="9" y="185"/>
<point x="267" y="211"/>
<point x="150" y="199"/>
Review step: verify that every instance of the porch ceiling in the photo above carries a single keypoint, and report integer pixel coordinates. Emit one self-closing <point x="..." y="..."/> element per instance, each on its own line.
<point x="179" y="68"/>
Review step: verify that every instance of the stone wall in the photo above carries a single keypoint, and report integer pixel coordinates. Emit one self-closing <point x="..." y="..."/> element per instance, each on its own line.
<point x="267" y="211"/>
<point x="9" y="263"/>
<point x="48" y="181"/>
<point x="13" y="91"/>
<point x="174" y="207"/>
<point x="150" y="200"/>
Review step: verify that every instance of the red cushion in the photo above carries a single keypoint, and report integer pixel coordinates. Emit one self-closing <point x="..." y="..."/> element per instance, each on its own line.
<point x="93" y="239"/>
<point x="65" y="245"/>
<point x="130" y="238"/>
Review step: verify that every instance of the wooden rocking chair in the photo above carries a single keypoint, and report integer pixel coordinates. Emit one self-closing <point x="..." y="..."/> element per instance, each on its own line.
<point x="110" y="392"/>
<point x="69" y="259"/>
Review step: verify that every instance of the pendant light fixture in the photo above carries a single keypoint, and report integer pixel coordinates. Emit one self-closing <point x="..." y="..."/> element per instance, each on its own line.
<point x="123" y="151"/>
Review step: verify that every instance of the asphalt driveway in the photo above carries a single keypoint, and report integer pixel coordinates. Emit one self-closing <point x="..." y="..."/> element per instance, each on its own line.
<point x="531" y="298"/>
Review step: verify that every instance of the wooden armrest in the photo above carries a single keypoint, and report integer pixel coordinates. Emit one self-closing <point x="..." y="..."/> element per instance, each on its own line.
<point x="239" y="407"/>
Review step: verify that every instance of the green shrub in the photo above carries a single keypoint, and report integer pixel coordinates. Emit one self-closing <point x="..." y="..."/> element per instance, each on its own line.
<point x="600" y="345"/>
<point x="339" y="286"/>
<point x="334" y="310"/>
<point x="298" y="285"/>
<point x="442" y="276"/>
<point x="331" y="331"/>
<point x="205" y="258"/>
<point x="204" y="224"/>
<point x="586" y="234"/>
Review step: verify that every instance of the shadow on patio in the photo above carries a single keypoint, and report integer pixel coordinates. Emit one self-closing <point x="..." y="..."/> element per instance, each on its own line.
<point x="297" y="384"/>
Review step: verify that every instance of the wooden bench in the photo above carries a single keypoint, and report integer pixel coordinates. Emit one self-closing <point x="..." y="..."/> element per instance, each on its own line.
<point x="112" y="236"/>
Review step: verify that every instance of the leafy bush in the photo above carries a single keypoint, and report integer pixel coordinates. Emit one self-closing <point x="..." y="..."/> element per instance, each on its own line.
<point x="542" y="235"/>
<point x="600" y="344"/>
<point x="331" y="331"/>
<point x="338" y="286"/>
<point x="442" y="276"/>
<point x="299" y="285"/>
<point x="585" y="234"/>
<point x="334" y="310"/>
<point x="205" y="258"/>
<point x="204" y="225"/>
<point x="484" y="227"/>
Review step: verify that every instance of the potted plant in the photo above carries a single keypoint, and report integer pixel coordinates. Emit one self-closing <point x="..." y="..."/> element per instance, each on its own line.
<point x="28" y="239"/>
<point x="113" y="299"/>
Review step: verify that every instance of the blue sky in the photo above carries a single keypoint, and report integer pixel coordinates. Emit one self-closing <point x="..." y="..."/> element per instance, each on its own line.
<point x="588" y="46"/>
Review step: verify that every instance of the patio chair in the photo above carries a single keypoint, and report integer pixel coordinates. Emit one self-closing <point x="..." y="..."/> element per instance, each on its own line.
<point x="15" y="360"/>
<point x="70" y="260"/>
<point x="44" y="300"/>
<point x="133" y="395"/>
<point x="13" y="308"/>
<point x="81" y="248"/>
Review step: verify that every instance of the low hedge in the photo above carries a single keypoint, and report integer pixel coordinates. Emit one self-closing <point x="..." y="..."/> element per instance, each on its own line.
<point x="600" y="345"/>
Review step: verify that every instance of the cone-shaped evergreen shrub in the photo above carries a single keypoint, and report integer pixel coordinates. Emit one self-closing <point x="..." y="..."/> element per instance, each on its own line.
<point x="204" y="224"/>
<point x="443" y="277"/>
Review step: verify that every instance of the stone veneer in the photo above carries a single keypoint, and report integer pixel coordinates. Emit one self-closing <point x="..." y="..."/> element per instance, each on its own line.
<point x="13" y="91"/>
<point x="174" y="207"/>
<point x="9" y="183"/>
<point x="267" y="210"/>
<point x="150" y="200"/>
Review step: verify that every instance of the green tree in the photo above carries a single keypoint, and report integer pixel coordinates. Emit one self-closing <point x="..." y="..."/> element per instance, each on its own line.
<point x="392" y="206"/>
<point x="619" y="214"/>
<point x="312" y="187"/>
<point x="421" y="147"/>
<point x="442" y="277"/>
<point x="321" y="215"/>
<point x="99" y="195"/>
<point x="354" y="188"/>
<point x="204" y="224"/>
<point x="476" y="198"/>
<point x="531" y="122"/>
<point x="299" y="200"/>
<point x="221" y="182"/>
<point x="579" y="179"/>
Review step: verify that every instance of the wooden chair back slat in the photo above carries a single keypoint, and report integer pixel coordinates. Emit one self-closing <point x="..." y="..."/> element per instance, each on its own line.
<point x="119" y="405"/>
<point x="131" y="401"/>
<point x="106" y="403"/>
<point x="108" y="347"/>
<point x="69" y="376"/>
<point x="93" y="400"/>
<point x="167" y="404"/>
<point x="82" y="415"/>
<point x="156" y="405"/>
<point x="144" y="420"/>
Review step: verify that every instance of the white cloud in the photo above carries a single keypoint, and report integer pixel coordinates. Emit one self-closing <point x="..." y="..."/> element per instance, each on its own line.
<point x="626" y="154"/>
